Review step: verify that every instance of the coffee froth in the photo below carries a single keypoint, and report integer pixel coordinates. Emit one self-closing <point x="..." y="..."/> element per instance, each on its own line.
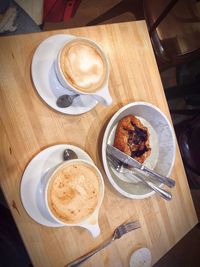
<point x="83" y="65"/>
<point x="73" y="192"/>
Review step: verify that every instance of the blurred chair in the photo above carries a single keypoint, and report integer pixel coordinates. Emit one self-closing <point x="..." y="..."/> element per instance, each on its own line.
<point x="59" y="10"/>
<point x="174" y="28"/>
<point x="132" y="6"/>
<point x="188" y="132"/>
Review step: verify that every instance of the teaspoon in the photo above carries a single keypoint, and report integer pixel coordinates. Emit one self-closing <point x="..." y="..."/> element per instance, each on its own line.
<point x="65" y="101"/>
<point x="69" y="154"/>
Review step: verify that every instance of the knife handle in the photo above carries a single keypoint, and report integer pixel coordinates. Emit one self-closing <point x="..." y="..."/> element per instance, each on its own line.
<point x="163" y="193"/>
<point x="163" y="179"/>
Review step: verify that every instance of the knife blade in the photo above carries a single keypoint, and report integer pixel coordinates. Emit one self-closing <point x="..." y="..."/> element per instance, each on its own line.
<point x="126" y="159"/>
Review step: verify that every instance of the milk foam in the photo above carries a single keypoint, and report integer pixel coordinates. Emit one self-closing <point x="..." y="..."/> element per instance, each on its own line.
<point x="73" y="192"/>
<point x="83" y="66"/>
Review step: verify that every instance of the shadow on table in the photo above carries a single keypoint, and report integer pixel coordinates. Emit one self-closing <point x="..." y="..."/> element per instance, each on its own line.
<point x="12" y="250"/>
<point x="185" y="253"/>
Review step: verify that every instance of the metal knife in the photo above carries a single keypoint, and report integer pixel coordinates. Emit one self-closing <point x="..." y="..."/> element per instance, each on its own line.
<point x="135" y="164"/>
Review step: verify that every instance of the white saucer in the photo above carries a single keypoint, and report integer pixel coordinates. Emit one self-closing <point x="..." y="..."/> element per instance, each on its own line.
<point x="141" y="258"/>
<point x="46" y="82"/>
<point x="30" y="188"/>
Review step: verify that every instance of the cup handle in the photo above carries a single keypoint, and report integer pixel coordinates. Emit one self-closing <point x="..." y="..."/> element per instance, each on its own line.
<point x="104" y="99"/>
<point x="93" y="229"/>
<point x="92" y="225"/>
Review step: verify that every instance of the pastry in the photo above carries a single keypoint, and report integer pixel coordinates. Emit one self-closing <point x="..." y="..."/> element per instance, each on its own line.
<point x="132" y="138"/>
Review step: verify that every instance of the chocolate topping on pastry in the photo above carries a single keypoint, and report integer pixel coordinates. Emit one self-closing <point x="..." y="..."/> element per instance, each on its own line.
<point x="132" y="138"/>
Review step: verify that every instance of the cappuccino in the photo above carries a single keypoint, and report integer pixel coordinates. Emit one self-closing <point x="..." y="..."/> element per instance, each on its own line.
<point x="73" y="192"/>
<point x="83" y="65"/>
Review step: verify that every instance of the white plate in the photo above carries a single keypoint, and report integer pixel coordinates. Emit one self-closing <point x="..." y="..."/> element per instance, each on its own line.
<point x="46" y="82"/>
<point x="30" y="188"/>
<point x="162" y="142"/>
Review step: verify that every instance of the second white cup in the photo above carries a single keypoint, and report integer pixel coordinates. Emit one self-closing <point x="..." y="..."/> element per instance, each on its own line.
<point x="73" y="194"/>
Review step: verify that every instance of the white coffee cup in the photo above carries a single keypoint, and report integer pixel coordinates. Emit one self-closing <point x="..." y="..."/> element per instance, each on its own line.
<point x="53" y="179"/>
<point x="82" y="67"/>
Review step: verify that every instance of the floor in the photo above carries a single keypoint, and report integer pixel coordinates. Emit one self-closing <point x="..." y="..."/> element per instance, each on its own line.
<point x="33" y="8"/>
<point x="87" y="11"/>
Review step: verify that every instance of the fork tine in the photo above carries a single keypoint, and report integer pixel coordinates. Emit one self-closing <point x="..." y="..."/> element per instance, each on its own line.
<point x="111" y="158"/>
<point x="132" y="225"/>
<point x="115" y="162"/>
<point x="125" y="228"/>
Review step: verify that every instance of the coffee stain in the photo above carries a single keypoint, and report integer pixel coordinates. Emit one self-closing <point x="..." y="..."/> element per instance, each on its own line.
<point x="10" y="150"/>
<point x="13" y="56"/>
<point x="15" y="206"/>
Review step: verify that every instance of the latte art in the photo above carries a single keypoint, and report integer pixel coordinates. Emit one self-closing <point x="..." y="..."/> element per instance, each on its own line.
<point x="73" y="192"/>
<point x="83" y="65"/>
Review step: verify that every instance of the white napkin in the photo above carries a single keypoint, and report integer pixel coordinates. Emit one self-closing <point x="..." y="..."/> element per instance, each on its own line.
<point x="7" y="20"/>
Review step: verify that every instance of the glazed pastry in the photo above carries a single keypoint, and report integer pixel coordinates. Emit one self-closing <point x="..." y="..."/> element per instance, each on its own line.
<point x="132" y="138"/>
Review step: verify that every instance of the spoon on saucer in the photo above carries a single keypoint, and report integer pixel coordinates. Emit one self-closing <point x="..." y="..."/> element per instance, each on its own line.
<point x="65" y="101"/>
<point x="69" y="154"/>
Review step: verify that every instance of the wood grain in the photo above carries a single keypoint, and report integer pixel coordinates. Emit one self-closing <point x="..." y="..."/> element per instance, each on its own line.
<point x="28" y="126"/>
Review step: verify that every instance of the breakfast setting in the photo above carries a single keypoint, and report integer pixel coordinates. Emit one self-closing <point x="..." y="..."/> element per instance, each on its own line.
<point x="90" y="154"/>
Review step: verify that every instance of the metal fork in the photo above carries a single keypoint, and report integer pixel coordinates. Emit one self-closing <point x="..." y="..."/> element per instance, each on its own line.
<point x="118" y="166"/>
<point x="119" y="232"/>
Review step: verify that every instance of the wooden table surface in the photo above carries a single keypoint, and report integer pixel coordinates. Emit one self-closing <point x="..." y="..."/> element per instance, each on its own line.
<point x="28" y="126"/>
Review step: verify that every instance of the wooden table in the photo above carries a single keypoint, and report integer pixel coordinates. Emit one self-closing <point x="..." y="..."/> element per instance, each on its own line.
<point x="28" y="126"/>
